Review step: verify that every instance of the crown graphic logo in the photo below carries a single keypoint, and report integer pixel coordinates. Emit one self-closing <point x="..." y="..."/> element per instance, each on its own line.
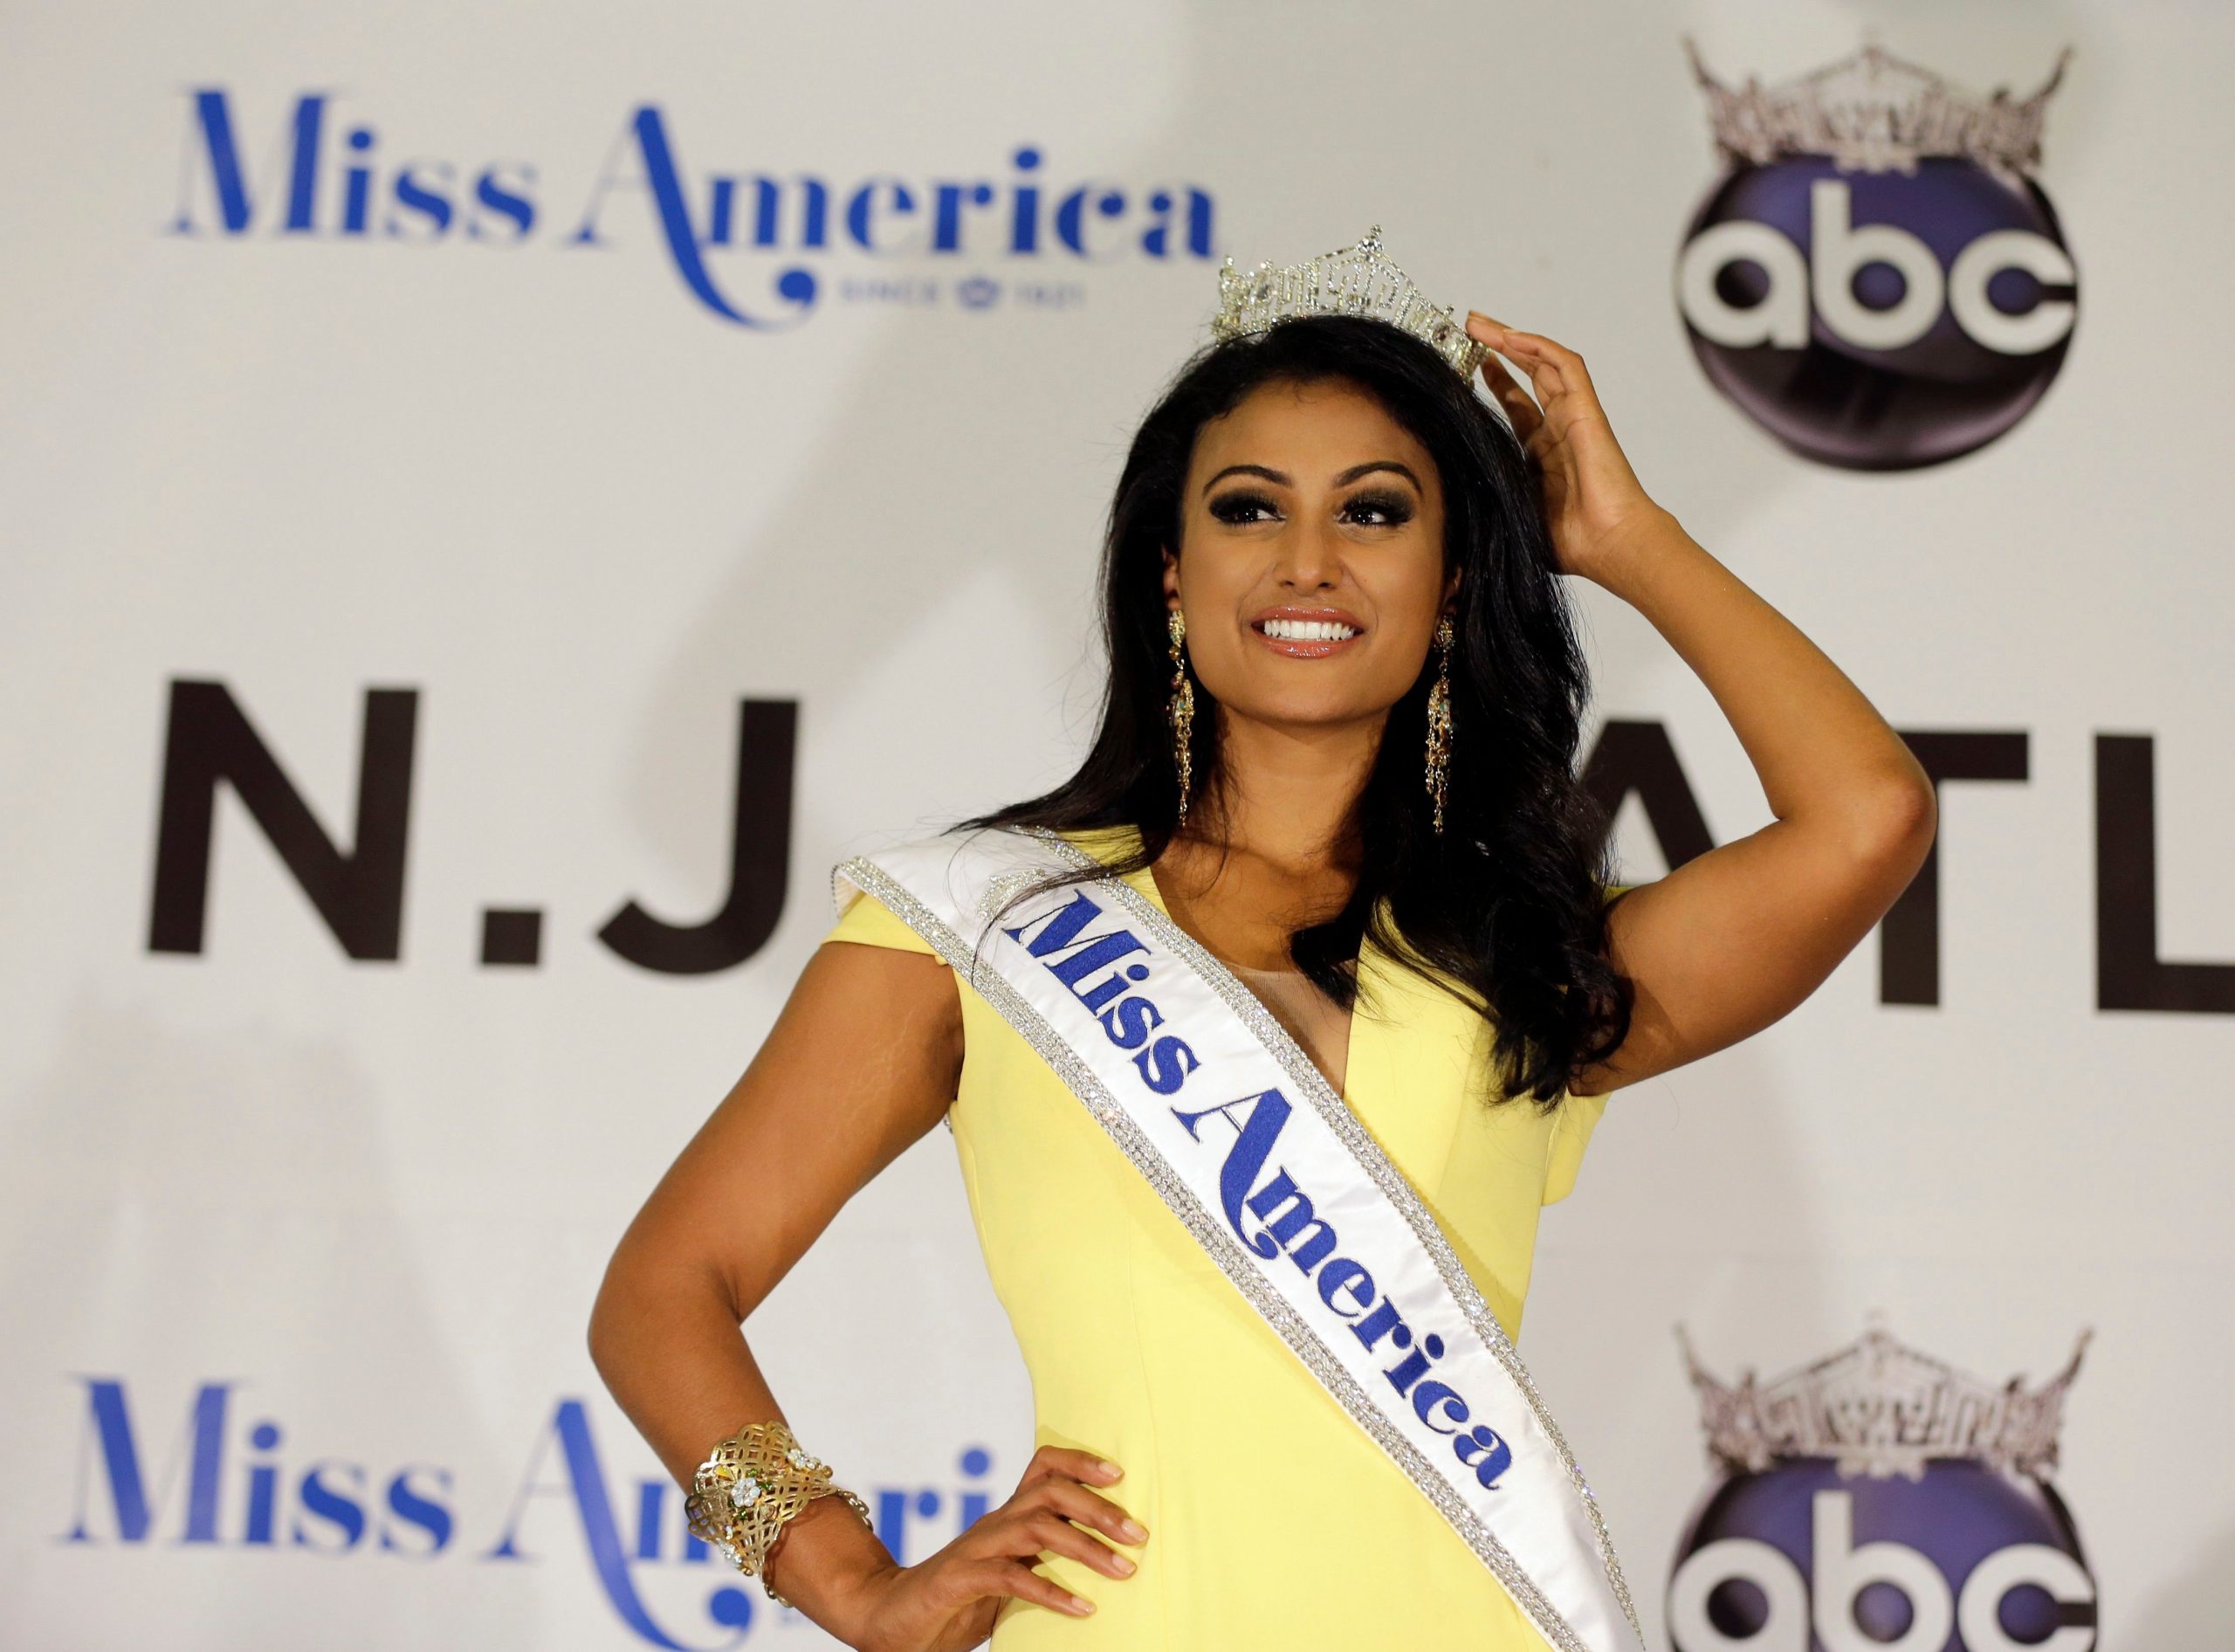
<point x="1880" y="1408"/>
<point x="1872" y="112"/>
<point x="1351" y="280"/>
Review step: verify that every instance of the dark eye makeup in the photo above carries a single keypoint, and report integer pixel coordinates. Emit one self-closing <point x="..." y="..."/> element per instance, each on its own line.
<point x="1241" y="505"/>
<point x="1377" y="507"/>
<point x="1394" y="509"/>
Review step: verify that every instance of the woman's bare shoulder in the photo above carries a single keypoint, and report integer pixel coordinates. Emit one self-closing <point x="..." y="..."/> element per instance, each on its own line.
<point x="868" y="988"/>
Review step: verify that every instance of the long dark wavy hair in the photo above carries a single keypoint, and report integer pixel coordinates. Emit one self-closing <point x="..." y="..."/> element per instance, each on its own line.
<point x="1506" y="908"/>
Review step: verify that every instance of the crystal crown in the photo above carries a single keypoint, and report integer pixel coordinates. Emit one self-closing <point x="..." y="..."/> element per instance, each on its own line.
<point x="1880" y="1408"/>
<point x="1871" y="112"/>
<point x="1351" y="280"/>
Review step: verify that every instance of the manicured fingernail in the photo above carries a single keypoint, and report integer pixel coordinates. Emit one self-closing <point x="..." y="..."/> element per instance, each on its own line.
<point x="1111" y="1468"/>
<point x="1081" y="1605"/>
<point x="1132" y="1531"/>
<point x="1121" y="1564"/>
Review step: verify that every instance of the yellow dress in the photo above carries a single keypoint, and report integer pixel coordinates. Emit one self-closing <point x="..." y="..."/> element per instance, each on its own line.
<point x="1274" y="1521"/>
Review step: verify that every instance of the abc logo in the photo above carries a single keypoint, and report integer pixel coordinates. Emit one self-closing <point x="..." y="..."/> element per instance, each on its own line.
<point x="1965" y="1559"/>
<point x="1878" y="321"/>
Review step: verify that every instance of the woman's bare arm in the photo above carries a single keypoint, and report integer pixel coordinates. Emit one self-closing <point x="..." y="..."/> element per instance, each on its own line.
<point x="862" y="1061"/>
<point x="1734" y="939"/>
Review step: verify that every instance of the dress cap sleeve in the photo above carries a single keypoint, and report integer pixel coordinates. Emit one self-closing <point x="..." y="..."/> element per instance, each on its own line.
<point x="1573" y="1122"/>
<point x="871" y="922"/>
<point x="1576" y="1119"/>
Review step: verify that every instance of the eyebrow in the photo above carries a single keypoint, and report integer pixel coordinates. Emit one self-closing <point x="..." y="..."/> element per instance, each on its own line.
<point x="1345" y="480"/>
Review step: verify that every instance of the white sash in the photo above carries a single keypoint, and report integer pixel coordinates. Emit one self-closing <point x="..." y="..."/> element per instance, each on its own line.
<point x="1251" y="1148"/>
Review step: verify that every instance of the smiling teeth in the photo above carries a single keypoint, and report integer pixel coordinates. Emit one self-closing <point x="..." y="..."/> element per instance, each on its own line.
<point x="1308" y="630"/>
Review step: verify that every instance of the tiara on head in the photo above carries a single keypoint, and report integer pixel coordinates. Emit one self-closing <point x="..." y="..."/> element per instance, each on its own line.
<point x="1351" y="280"/>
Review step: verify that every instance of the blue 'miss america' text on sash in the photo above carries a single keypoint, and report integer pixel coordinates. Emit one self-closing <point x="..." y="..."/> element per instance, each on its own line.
<point x="1273" y="1175"/>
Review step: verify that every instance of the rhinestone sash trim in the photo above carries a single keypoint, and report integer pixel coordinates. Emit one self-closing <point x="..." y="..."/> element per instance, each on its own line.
<point x="1226" y="1252"/>
<point x="1313" y="1085"/>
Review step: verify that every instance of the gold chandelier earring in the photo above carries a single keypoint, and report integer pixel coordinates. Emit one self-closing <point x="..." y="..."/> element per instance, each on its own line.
<point x="1180" y="711"/>
<point x="1440" y="723"/>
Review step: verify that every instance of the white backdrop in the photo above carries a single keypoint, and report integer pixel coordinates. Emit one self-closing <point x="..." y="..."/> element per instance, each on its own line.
<point x="345" y="1214"/>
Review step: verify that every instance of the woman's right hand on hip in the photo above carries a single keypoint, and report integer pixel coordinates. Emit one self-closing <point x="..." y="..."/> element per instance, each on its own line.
<point x="948" y="1600"/>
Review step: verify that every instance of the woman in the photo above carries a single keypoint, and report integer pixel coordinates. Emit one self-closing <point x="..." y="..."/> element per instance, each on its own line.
<point x="1338" y="757"/>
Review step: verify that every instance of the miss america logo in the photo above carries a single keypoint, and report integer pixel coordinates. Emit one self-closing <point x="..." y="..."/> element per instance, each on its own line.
<point x="1105" y="973"/>
<point x="340" y="186"/>
<point x="211" y="1481"/>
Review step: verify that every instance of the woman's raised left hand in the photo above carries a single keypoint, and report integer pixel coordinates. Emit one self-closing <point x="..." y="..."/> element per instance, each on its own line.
<point x="1593" y="502"/>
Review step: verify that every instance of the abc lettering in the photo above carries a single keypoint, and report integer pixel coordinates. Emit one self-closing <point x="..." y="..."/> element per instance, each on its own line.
<point x="1842" y="1569"/>
<point x="1824" y="276"/>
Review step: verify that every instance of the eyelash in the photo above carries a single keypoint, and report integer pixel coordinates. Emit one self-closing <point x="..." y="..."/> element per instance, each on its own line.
<point x="1229" y="508"/>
